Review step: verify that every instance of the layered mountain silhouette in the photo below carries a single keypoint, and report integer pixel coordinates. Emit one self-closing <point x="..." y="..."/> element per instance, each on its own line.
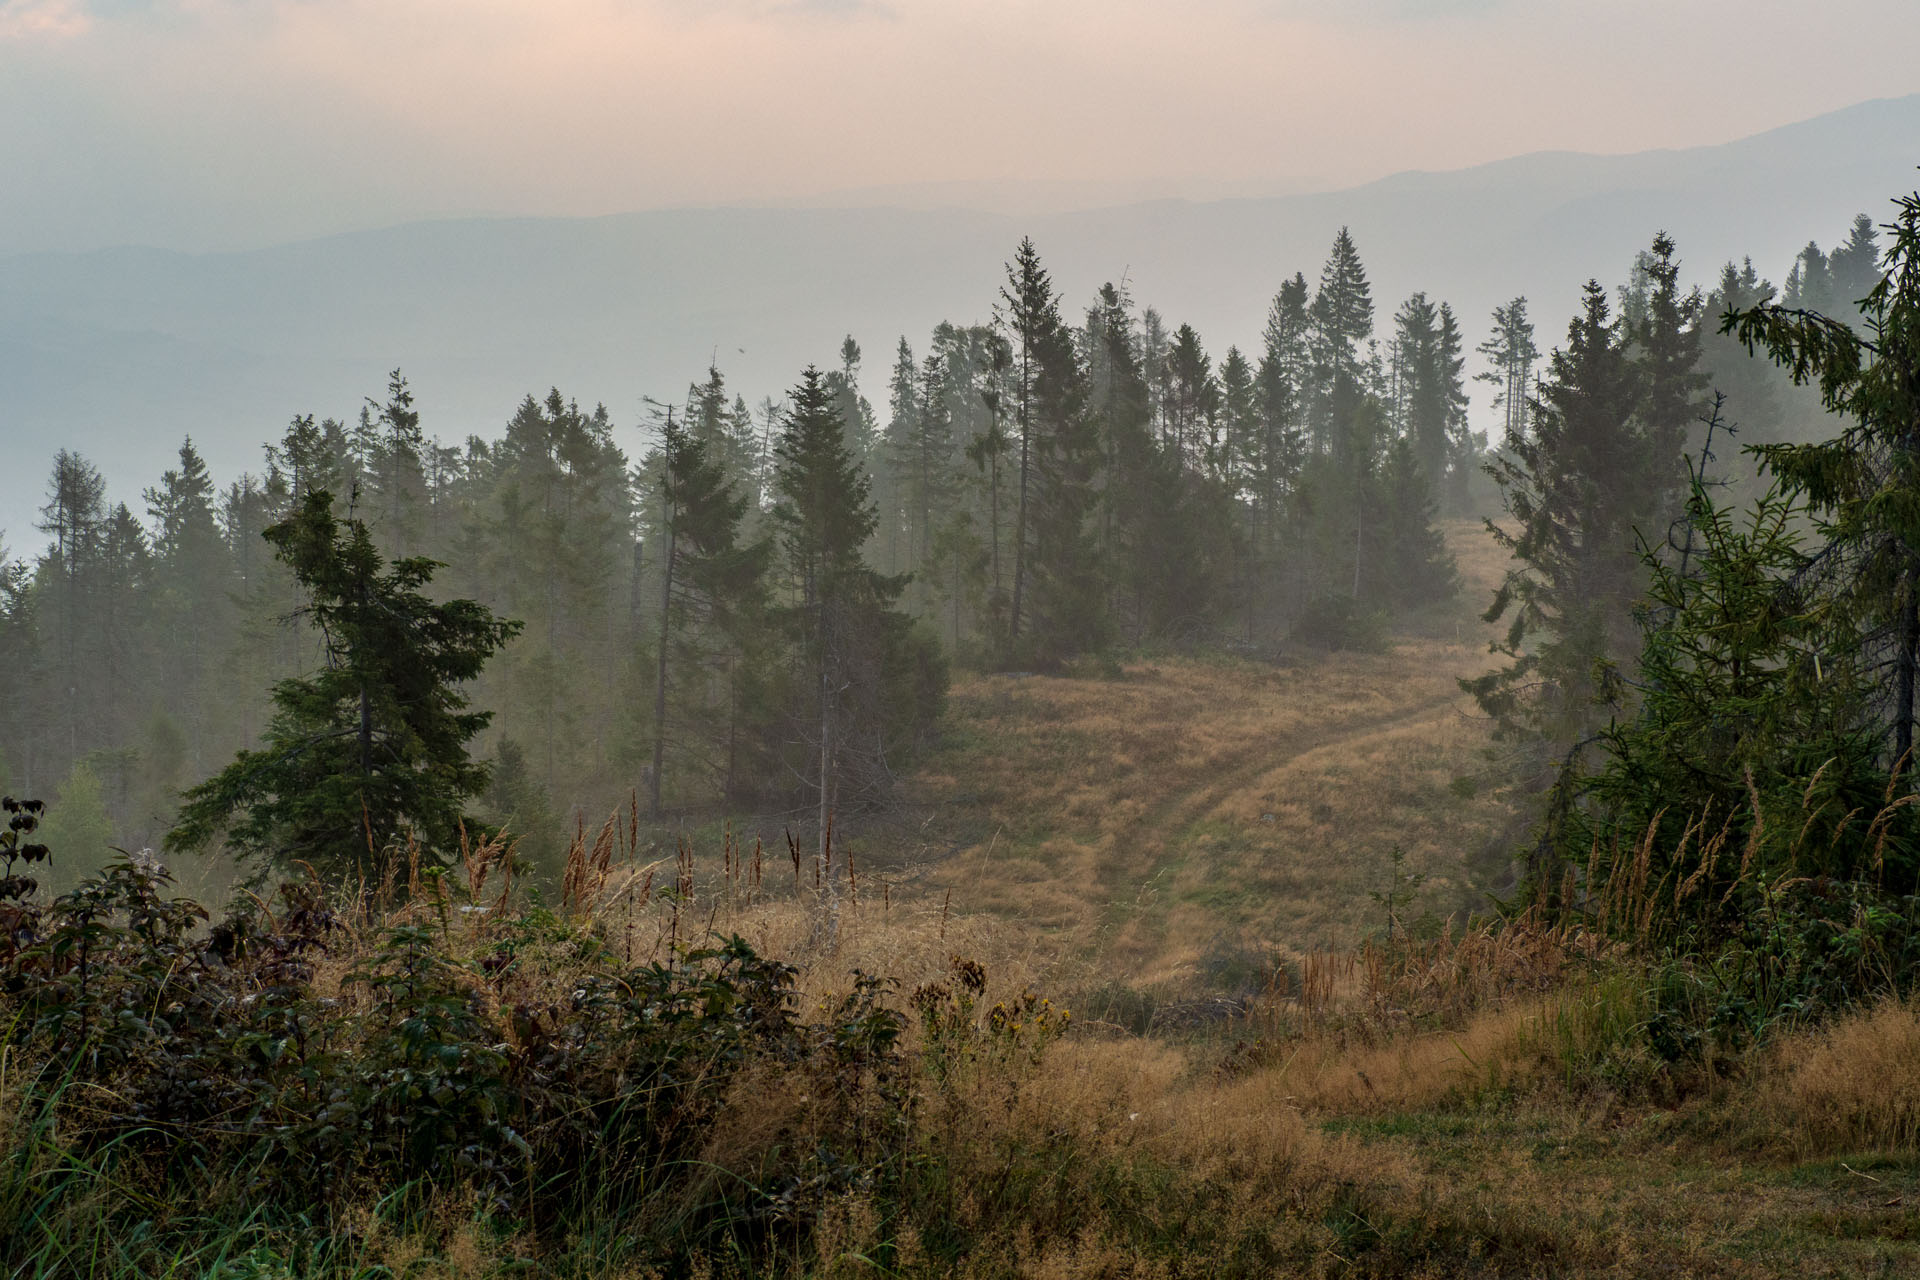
<point x="120" y="352"/>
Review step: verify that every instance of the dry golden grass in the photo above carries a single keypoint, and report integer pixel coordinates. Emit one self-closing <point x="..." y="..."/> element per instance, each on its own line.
<point x="1500" y="1049"/>
<point x="1202" y="804"/>
<point x="1854" y="1086"/>
<point x="1196" y="810"/>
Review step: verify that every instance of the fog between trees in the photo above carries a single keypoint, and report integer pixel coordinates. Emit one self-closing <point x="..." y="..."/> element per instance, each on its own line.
<point x="759" y="612"/>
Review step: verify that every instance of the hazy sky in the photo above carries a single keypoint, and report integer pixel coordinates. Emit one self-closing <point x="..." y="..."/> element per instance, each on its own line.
<point x="228" y="123"/>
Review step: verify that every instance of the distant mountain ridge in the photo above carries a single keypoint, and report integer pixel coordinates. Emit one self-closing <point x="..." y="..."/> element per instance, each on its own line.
<point x="120" y="352"/>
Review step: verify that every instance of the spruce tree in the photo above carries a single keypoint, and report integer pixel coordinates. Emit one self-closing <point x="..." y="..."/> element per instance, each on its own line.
<point x="1427" y="385"/>
<point x="1340" y="325"/>
<point x="1030" y="315"/>
<point x="553" y="548"/>
<point x="1756" y="740"/>
<point x="1192" y="397"/>
<point x="929" y="490"/>
<point x="1056" y="591"/>
<point x="73" y="516"/>
<point x="389" y="447"/>
<point x="1510" y="353"/>
<point x="1855" y="268"/>
<point x="710" y="606"/>
<point x="1665" y="344"/>
<point x="1756" y="391"/>
<point x="1862" y="487"/>
<point x="1575" y="493"/>
<point x="868" y="687"/>
<point x="374" y="744"/>
<point x="193" y="572"/>
<point x="899" y="461"/>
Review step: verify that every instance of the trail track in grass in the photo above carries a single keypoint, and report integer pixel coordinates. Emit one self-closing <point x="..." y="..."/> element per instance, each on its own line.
<point x="1196" y="810"/>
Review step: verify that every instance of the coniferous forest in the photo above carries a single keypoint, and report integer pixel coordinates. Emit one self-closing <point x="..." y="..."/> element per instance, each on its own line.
<point x="1042" y="489"/>
<point x="448" y="857"/>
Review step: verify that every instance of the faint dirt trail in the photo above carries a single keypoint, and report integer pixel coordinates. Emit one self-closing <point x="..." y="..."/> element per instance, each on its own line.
<point x="1161" y="848"/>
<point x="1206" y="804"/>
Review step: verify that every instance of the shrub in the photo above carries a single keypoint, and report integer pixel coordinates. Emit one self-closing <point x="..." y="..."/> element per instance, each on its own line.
<point x="438" y="1062"/>
<point x="1341" y="622"/>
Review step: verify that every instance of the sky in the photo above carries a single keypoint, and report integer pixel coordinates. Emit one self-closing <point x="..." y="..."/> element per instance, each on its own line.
<point x="221" y="124"/>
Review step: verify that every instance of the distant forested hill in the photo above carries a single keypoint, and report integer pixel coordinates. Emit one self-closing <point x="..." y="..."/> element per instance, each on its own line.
<point x="119" y="353"/>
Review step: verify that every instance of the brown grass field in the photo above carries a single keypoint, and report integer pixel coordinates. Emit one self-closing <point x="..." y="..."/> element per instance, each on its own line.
<point x="1198" y="807"/>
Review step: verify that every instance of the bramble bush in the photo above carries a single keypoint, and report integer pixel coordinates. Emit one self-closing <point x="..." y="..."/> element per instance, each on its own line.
<point x="295" y="1062"/>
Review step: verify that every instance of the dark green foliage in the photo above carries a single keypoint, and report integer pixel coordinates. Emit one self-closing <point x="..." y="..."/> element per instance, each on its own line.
<point x="389" y="446"/>
<point x="1753" y="820"/>
<point x="374" y="743"/>
<point x="712" y="613"/>
<point x="1339" y="324"/>
<point x="1430" y="400"/>
<point x="1414" y="565"/>
<point x="1598" y="471"/>
<point x="516" y="802"/>
<point x="1754" y="757"/>
<point x="546" y="536"/>
<point x="1056" y="607"/>
<point x="867" y="683"/>
<point x="1339" y="621"/>
<point x="1664" y="339"/>
<point x="210" y="1060"/>
<point x="1863" y="486"/>
<point x="1579" y="488"/>
<point x="22" y="859"/>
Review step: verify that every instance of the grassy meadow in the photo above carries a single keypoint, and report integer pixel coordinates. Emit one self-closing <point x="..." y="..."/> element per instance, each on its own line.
<point x="1161" y="820"/>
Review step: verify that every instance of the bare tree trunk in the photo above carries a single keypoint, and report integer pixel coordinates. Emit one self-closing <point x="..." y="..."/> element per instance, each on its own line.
<point x="994" y="500"/>
<point x="1909" y="659"/>
<point x="366" y="736"/>
<point x="733" y="731"/>
<point x="1020" y="517"/>
<point x="1359" y="525"/>
<point x="660" y="681"/>
<point x="829" y="890"/>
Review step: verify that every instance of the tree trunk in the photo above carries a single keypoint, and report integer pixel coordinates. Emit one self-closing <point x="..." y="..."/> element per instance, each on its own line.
<point x="1020" y="516"/>
<point x="366" y="736"/>
<point x="829" y="891"/>
<point x="660" y="680"/>
<point x="1909" y="659"/>
<point x="993" y="493"/>
<point x="1359" y="526"/>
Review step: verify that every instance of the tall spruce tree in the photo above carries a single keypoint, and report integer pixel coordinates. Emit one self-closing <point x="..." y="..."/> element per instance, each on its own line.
<point x="1056" y="593"/>
<point x="390" y="448"/>
<point x="194" y="577"/>
<point x="1510" y="353"/>
<point x="867" y="687"/>
<point x="898" y="459"/>
<point x="1855" y="268"/>
<point x="712" y="582"/>
<point x="1574" y="491"/>
<point x="1664" y="343"/>
<point x="1340" y="325"/>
